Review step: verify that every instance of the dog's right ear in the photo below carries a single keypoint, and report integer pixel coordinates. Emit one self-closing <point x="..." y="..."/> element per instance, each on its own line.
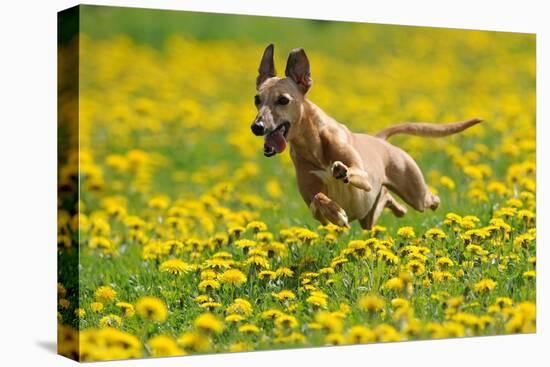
<point x="267" y="66"/>
<point x="297" y="69"/>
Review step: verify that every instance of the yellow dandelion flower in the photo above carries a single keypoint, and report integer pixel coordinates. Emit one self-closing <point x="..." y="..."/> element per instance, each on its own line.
<point x="201" y="298"/>
<point x="110" y="320"/>
<point x="400" y="302"/>
<point x="249" y="329"/>
<point x="317" y="301"/>
<point x="257" y="226"/>
<point x="442" y="276"/>
<point x="258" y="261"/>
<point x="338" y="262"/>
<point x="286" y="322"/>
<point x="264" y="236"/>
<point x="285" y="295"/>
<point x="505" y="212"/>
<point x="306" y="236"/>
<point x="447" y="182"/>
<point x="436" y="234"/>
<point x="233" y="277"/>
<point x="159" y="202"/>
<point x="444" y="263"/>
<point x="388" y="257"/>
<point x="105" y="294"/>
<point x="209" y="323"/>
<point x="236" y="231"/>
<point x="329" y="321"/>
<point x="416" y="267"/>
<point x="376" y="230"/>
<point x="208" y="274"/>
<point x="371" y="303"/>
<point x="387" y="333"/>
<point x="64" y="303"/>
<point x="267" y="275"/>
<point x="335" y="339"/>
<point x="61" y="290"/>
<point x="245" y="244"/>
<point x="284" y="273"/>
<point x="485" y="285"/>
<point x="452" y="219"/>
<point x="240" y="347"/>
<point x="271" y="314"/>
<point x="151" y="308"/>
<point x="194" y="342"/>
<point x="360" y="335"/>
<point x="210" y="306"/>
<point x="208" y="285"/>
<point x="164" y="346"/>
<point x="96" y="306"/>
<point x="234" y="318"/>
<point x="406" y="232"/>
<point x="240" y="306"/>
<point x="524" y="240"/>
<point x="476" y="250"/>
<point x="128" y="308"/>
<point x="394" y="284"/>
<point x="175" y="267"/>
<point x="498" y="188"/>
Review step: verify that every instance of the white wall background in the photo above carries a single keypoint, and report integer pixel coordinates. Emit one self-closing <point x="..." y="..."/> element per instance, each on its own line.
<point x="28" y="181"/>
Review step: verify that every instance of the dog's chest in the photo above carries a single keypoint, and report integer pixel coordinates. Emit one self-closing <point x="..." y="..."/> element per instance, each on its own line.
<point x="356" y="202"/>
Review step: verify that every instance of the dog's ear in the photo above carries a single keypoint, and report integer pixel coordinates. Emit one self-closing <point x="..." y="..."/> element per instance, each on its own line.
<point x="267" y="66"/>
<point x="297" y="69"/>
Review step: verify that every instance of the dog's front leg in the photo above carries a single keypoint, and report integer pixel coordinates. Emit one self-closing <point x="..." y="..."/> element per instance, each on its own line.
<point x="345" y="162"/>
<point x="326" y="210"/>
<point x="353" y="175"/>
<point x="313" y="192"/>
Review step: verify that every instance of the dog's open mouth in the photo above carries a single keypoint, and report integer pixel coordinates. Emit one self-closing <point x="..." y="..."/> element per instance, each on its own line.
<point x="275" y="141"/>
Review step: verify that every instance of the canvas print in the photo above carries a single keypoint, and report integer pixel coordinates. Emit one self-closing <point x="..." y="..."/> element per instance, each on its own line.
<point x="234" y="183"/>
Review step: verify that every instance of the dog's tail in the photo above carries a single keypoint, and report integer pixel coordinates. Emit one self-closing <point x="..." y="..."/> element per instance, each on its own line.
<point x="427" y="129"/>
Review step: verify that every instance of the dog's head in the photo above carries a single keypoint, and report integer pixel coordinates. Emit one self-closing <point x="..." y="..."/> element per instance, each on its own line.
<point x="280" y="100"/>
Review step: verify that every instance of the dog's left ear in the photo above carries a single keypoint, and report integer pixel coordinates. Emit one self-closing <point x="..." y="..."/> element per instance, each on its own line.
<point x="267" y="66"/>
<point x="297" y="69"/>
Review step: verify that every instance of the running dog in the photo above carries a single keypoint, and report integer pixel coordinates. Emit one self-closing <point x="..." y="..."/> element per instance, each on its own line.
<point x="342" y="176"/>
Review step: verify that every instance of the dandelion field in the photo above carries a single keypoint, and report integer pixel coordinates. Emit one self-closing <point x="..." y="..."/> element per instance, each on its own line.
<point x="185" y="239"/>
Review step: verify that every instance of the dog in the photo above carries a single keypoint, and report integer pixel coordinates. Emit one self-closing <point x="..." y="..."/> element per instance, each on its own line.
<point x="342" y="176"/>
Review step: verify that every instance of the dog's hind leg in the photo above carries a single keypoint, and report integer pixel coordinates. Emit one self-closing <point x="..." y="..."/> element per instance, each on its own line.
<point x="397" y="209"/>
<point x="385" y="200"/>
<point x="405" y="178"/>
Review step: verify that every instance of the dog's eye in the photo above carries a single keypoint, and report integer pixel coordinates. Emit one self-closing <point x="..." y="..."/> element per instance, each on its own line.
<point x="282" y="100"/>
<point x="257" y="100"/>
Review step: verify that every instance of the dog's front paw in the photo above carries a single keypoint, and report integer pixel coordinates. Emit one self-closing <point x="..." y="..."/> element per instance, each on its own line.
<point x="340" y="171"/>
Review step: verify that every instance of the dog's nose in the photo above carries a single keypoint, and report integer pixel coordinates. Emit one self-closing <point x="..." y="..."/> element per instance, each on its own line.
<point x="258" y="128"/>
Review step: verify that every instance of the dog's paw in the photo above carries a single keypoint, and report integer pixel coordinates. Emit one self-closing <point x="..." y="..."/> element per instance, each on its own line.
<point x="340" y="171"/>
<point x="342" y="219"/>
<point x="434" y="202"/>
<point x="337" y="215"/>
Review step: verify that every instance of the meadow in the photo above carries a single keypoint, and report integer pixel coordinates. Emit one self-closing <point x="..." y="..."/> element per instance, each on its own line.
<point x="190" y="241"/>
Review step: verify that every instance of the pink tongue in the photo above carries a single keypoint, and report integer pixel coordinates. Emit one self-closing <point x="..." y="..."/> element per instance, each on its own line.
<point x="276" y="140"/>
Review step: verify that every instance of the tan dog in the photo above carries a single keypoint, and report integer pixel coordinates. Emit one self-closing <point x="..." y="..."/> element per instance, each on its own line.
<point x="341" y="175"/>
